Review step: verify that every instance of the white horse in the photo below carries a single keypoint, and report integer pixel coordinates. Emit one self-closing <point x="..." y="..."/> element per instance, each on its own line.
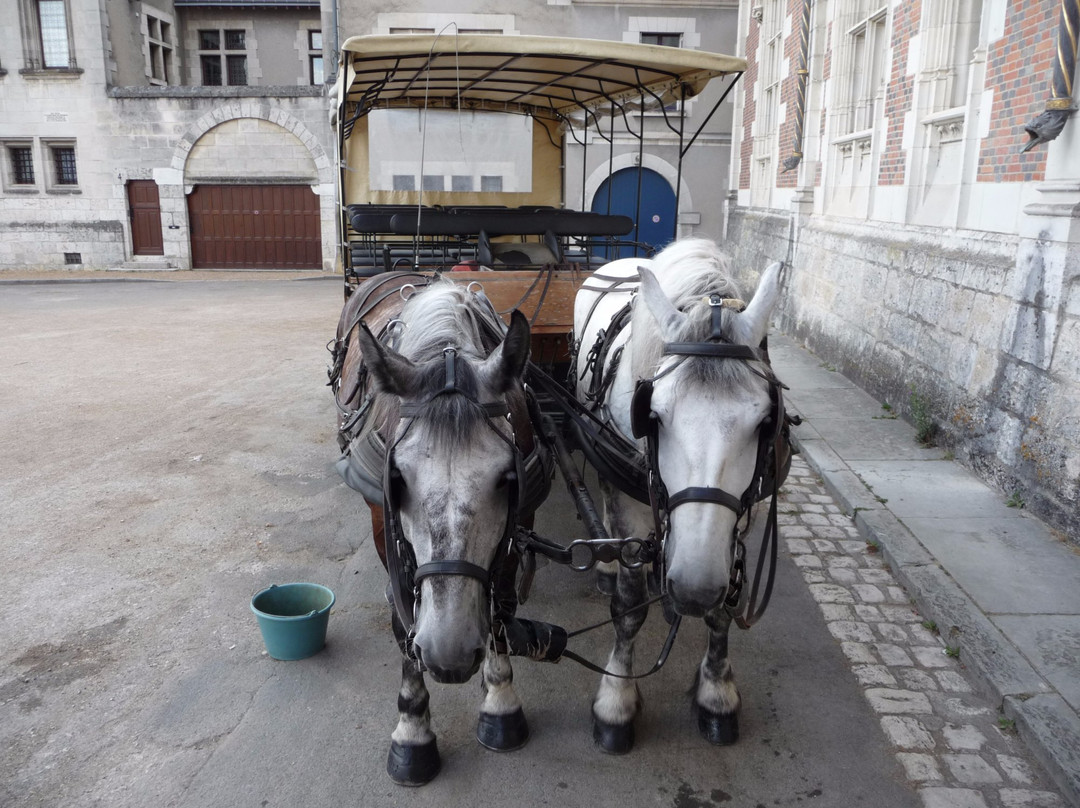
<point x="706" y="413"/>
<point x="451" y="410"/>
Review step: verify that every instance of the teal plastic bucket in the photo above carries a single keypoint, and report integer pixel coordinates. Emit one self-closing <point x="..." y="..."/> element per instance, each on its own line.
<point x="293" y="619"/>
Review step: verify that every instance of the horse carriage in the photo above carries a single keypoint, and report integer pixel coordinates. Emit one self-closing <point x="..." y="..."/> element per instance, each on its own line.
<point x="489" y="331"/>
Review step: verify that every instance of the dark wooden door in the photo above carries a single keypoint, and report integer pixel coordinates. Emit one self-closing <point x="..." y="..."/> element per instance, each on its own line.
<point x="145" y="208"/>
<point x="255" y="227"/>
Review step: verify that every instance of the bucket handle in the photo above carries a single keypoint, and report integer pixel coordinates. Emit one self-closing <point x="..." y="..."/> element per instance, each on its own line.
<point x="312" y="613"/>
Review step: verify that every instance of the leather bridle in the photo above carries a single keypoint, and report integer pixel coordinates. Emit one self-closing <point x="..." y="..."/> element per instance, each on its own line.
<point x="405" y="574"/>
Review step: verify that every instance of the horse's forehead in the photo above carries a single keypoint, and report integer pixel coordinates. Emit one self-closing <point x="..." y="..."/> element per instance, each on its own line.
<point x="697" y="402"/>
<point x="445" y="452"/>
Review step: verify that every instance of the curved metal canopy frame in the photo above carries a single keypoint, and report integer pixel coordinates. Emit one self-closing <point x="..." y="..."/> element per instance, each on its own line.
<point x="575" y="82"/>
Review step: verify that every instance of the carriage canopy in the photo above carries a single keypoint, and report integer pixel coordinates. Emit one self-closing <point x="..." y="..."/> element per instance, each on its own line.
<point x="545" y="77"/>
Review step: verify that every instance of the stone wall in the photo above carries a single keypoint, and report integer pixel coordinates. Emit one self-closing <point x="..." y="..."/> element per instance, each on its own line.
<point x="982" y="328"/>
<point x="175" y="136"/>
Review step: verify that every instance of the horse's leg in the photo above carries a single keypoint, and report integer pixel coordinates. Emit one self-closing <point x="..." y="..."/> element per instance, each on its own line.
<point x="717" y="697"/>
<point x="414" y="756"/>
<point x="618" y="700"/>
<point x="606" y="573"/>
<point x="502" y="725"/>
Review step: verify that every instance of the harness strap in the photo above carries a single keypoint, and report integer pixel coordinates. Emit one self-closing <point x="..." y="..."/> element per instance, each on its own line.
<point x="660" y="660"/>
<point x="769" y="541"/>
<point x="452" y="567"/>
<point x="716" y="496"/>
<point x="723" y="350"/>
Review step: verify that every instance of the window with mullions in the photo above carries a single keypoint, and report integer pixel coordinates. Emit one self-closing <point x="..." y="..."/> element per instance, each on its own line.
<point x="47" y="35"/>
<point x="220" y="66"/>
<point x="315" y="57"/>
<point x="22" y="165"/>
<point x="53" y="29"/>
<point x="867" y="47"/>
<point x="63" y="159"/>
<point x="159" y="48"/>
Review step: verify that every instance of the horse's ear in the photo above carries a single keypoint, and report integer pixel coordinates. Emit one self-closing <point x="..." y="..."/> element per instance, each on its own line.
<point x="659" y="305"/>
<point x="753" y="324"/>
<point x="391" y="372"/>
<point x="505" y="368"/>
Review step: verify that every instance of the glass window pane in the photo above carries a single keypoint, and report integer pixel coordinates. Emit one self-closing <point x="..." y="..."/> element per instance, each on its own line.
<point x="315" y="40"/>
<point x="433" y="182"/>
<point x="64" y="160"/>
<point x="22" y="165"/>
<point x="404" y="182"/>
<point x="209" y="40"/>
<point x="234" y="40"/>
<point x="317" y="75"/>
<point x="237" y="70"/>
<point x="54" y="39"/>
<point x="211" y="71"/>
<point x="670" y="40"/>
<point x="461" y="182"/>
<point x="491" y="183"/>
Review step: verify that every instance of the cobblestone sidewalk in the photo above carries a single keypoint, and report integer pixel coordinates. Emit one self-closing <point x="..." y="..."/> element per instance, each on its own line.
<point x="955" y="748"/>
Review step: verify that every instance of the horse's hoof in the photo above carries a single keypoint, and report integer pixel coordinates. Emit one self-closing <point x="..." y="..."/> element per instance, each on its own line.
<point x="413" y="765"/>
<point x="615" y="739"/>
<point x="605" y="583"/>
<point x="718" y="729"/>
<point x="503" y="733"/>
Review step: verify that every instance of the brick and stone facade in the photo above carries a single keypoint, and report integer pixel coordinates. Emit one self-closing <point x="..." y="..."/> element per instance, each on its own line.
<point x="931" y="260"/>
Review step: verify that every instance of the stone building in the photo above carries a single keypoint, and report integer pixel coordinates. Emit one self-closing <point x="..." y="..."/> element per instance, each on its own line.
<point x="196" y="133"/>
<point x="164" y="134"/>
<point x="933" y="260"/>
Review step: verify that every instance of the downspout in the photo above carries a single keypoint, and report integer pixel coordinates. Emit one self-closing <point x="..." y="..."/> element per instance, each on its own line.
<point x="801" y="74"/>
<point x="1048" y="124"/>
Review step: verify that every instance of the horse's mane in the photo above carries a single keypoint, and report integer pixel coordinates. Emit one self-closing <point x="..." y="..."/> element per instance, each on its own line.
<point x="689" y="270"/>
<point x="439" y="315"/>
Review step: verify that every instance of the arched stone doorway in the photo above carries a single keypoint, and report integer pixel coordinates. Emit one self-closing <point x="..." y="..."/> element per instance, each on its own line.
<point x="251" y="203"/>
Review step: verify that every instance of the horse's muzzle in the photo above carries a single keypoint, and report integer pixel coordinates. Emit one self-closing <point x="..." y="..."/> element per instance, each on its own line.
<point x="452" y="674"/>
<point x="694" y="603"/>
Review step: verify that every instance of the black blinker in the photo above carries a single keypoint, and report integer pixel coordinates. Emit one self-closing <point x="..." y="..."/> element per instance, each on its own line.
<point x="641" y="414"/>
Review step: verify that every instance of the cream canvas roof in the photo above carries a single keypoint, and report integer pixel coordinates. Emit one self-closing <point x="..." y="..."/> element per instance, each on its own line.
<point x="544" y="76"/>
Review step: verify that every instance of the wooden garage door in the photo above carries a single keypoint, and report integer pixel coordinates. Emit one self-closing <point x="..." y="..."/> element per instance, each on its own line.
<point x="254" y="227"/>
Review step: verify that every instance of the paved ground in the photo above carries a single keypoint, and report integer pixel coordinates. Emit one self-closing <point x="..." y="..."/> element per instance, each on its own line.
<point x="1002" y="588"/>
<point x="167" y="450"/>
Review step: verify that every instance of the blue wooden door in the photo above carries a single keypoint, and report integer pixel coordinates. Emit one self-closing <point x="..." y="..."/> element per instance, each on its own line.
<point x="655" y="223"/>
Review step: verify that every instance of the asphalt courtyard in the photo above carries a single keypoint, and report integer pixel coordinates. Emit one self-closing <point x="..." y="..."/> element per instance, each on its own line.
<point x="167" y="450"/>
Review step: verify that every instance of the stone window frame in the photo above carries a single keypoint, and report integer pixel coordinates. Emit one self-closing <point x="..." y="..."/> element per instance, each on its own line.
<point x="308" y="53"/>
<point x="388" y="22"/>
<point x="689" y="38"/>
<point x="767" y="89"/>
<point x="7" y="168"/>
<point x="864" y="27"/>
<point x="33" y="41"/>
<point x="160" y="44"/>
<point x="950" y="33"/>
<point x="223" y="52"/>
<point x="50" y="166"/>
